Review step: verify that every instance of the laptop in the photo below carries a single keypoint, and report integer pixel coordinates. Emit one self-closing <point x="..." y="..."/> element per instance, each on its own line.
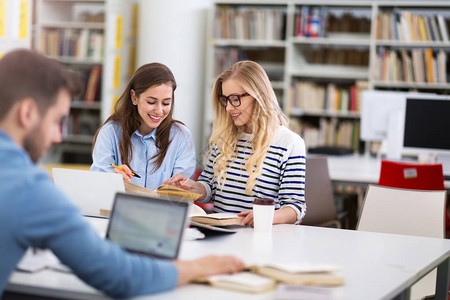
<point x="93" y="192"/>
<point x="148" y="225"/>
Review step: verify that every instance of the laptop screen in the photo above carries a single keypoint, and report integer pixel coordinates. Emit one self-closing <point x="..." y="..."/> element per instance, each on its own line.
<point x="148" y="225"/>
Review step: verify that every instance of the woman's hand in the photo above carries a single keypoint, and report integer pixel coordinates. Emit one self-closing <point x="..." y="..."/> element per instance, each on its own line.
<point x="125" y="172"/>
<point x="248" y="218"/>
<point x="285" y="215"/>
<point x="187" y="184"/>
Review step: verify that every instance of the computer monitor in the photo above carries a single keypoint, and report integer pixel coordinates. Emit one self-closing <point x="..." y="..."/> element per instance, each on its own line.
<point x="382" y="115"/>
<point x="427" y="125"/>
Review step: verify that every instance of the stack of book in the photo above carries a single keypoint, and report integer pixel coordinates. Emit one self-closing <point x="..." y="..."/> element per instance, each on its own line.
<point x="310" y="97"/>
<point x="416" y="65"/>
<point x="250" y="23"/>
<point x="407" y="26"/>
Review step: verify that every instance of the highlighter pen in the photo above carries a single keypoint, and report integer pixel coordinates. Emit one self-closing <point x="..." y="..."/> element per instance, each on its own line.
<point x="121" y="169"/>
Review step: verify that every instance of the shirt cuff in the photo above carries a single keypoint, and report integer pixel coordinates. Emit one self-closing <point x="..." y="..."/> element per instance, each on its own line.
<point x="208" y="193"/>
<point x="300" y="214"/>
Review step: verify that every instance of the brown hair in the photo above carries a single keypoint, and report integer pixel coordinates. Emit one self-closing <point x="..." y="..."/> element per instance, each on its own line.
<point x="126" y="114"/>
<point x="28" y="74"/>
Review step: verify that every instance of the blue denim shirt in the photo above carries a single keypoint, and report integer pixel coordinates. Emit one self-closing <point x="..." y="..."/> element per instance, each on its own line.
<point x="180" y="156"/>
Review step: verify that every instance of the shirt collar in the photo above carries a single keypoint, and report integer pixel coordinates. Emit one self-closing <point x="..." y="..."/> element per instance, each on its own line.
<point x="151" y="135"/>
<point x="7" y="143"/>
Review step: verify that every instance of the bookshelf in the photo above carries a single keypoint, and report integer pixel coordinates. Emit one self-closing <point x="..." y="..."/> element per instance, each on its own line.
<point x="328" y="52"/>
<point x="15" y="24"/>
<point x="412" y="44"/>
<point x="245" y="30"/>
<point x="96" y="38"/>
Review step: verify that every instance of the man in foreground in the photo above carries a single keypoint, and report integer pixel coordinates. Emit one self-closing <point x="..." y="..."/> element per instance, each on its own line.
<point x="35" y="96"/>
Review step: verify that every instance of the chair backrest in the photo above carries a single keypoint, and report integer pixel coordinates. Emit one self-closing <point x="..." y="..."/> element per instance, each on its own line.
<point x="403" y="211"/>
<point x="320" y="206"/>
<point x="411" y="176"/>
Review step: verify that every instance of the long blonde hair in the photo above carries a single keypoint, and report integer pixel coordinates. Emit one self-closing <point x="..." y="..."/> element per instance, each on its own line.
<point x="265" y="121"/>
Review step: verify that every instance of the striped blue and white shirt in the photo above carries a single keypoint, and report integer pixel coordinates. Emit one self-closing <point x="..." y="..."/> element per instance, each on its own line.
<point x="282" y="178"/>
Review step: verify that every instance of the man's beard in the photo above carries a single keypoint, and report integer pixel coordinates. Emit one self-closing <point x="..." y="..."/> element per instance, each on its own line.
<point x="33" y="144"/>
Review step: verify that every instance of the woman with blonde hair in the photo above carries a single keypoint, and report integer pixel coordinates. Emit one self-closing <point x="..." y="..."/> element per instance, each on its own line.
<point x="141" y="137"/>
<point x="252" y="154"/>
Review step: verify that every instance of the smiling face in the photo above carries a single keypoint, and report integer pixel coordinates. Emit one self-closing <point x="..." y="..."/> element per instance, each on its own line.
<point x="153" y="106"/>
<point x="241" y="115"/>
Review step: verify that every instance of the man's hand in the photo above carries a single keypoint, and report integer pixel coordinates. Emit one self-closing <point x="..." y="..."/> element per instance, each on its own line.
<point x="206" y="266"/>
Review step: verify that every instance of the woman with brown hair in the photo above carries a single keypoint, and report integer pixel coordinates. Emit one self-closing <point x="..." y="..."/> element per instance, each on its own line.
<point x="141" y="136"/>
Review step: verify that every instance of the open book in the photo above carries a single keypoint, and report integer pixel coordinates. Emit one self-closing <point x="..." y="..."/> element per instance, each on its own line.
<point x="197" y="214"/>
<point x="263" y="277"/>
<point x="164" y="190"/>
<point x="301" y="274"/>
<point x="243" y="282"/>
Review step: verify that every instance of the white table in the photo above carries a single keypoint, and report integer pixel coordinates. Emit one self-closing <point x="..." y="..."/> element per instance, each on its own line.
<point x="375" y="265"/>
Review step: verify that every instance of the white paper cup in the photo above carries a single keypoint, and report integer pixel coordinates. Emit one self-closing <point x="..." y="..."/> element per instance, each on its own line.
<point x="263" y="210"/>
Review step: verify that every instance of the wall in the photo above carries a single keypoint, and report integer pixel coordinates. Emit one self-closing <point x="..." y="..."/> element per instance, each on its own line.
<point x="173" y="32"/>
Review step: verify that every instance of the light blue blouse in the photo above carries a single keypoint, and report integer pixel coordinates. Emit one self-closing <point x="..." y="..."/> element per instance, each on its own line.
<point x="180" y="156"/>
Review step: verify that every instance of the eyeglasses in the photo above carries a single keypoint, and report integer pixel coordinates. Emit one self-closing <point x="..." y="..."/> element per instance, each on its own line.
<point x="234" y="100"/>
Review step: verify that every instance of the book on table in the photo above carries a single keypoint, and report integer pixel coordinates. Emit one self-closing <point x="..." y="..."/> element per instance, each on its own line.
<point x="259" y="278"/>
<point x="243" y="282"/>
<point x="197" y="214"/>
<point x="163" y="190"/>
<point x="301" y="274"/>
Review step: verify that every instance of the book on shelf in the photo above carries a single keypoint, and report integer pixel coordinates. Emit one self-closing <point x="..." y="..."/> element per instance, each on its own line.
<point x="442" y="28"/>
<point x="242" y="282"/>
<point x="301" y="274"/>
<point x="83" y="123"/>
<point x="428" y="58"/>
<point x="328" y="132"/>
<point x="422" y="65"/>
<point x="310" y="21"/>
<point x="310" y="96"/>
<point x="249" y="23"/>
<point x="407" y="26"/>
<point x="93" y="84"/>
<point x="77" y="43"/>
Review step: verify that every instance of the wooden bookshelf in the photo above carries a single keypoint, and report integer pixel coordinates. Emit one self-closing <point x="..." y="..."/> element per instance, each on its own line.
<point x="97" y="39"/>
<point x="336" y="43"/>
<point x="15" y="25"/>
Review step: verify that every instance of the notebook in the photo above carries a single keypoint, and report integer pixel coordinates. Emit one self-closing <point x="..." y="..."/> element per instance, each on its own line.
<point x="148" y="225"/>
<point x="93" y="192"/>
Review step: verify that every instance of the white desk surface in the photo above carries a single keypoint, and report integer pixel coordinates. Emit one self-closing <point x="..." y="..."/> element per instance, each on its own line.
<point x="357" y="169"/>
<point x="375" y="265"/>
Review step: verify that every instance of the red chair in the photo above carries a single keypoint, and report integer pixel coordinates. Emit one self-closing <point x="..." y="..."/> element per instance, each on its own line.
<point x="413" y="176"/>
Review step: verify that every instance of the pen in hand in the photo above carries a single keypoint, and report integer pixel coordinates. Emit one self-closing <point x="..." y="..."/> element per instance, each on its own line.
<point x="119" y="168"/>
